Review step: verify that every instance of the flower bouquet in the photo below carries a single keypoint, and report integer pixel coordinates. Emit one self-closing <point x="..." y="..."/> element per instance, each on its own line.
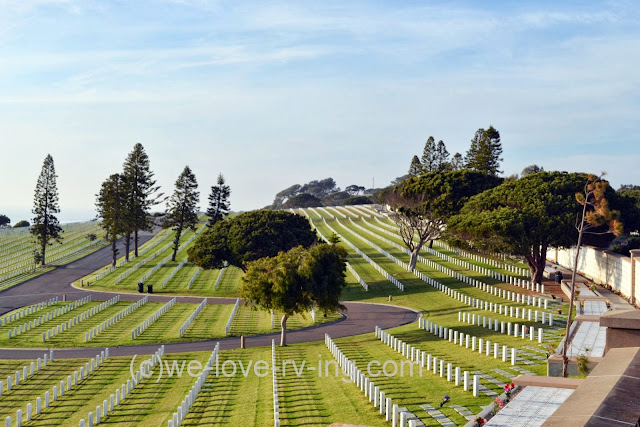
<point x="445" y="399"/>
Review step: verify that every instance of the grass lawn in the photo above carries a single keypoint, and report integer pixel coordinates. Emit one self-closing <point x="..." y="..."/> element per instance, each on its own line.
<point x="310" y="397"/>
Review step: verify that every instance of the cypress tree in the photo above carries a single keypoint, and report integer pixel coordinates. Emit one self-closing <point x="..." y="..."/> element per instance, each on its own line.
<point x="45" y="226"/>
<point x="183" y="209"/>
<point x="218" y="201"/>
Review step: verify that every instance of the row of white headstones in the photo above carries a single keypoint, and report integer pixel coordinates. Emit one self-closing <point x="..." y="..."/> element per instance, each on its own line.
<point x="227" y="328"/>
<point x="469" y="341"/>
<point x="187" y="403"/>
<point x="174" y="272"/>
<point x="57" y="391"/>
<point x="56" y="330"/>
<point x="135" y="333"/>
<point x="274" y="380"/>
<point x="376" y="396"/>
<point x="459" y="276"/>
<point x="502" y="326"/>
<point x="350" y="269"/>
<point x="380" y="270"/>
<point x="127" y="273"/>
<point x="92" y="333"/>
<point x="516" y="281"/>
<point x="50" y="315"/>
<point x="431" y="363"/>
<point x="27" y="311"/>
<point x="121" y="393"/>
<point x="192" y="317"/>
<point x="485" y="287"/>
<point x="22" y="375"/>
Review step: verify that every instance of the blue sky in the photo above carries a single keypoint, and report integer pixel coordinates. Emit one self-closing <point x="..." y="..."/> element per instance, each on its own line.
<point x="277" y="93"/>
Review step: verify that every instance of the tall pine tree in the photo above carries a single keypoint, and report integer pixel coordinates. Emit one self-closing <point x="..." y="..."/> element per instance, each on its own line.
<point x="441" y="157"/>
<point x="45" y="227"/>
<point x="218" y="202"/>
<point x="457" y="162"/>
<point x="429" y="156"/>
<point x="484" y="152"/>
<point x="140" y="188"/>
<point x="415" y="169"/>
<point x="111" y="207"/>
<point x="183" y="207"/>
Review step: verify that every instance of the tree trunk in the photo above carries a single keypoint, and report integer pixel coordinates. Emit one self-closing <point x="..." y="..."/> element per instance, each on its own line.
<point x="283" y="333"/>
<point x="537" y="262"/>
<point x="431" y="244"/>
<point x="414" y="259"/>
<point x="127" y="245"/>
<point x="176" y="243"/>
<point x="135" y="242"/>
<point x="44" y="249"/>
<point x="565" y="347"/>
<point x="114" y="251"/>
<point x="414" y="255"/>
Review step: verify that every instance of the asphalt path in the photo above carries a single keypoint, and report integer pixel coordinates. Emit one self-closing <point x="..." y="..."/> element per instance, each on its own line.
<point x="359" y="318"/>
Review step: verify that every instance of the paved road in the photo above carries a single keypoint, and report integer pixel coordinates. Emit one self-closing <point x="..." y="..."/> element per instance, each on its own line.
<point x="58" y="282"/>
<point x="359" y="318"/>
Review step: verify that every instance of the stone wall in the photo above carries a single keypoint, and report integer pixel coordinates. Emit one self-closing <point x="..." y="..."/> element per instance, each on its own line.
<point x="602" y="267"/>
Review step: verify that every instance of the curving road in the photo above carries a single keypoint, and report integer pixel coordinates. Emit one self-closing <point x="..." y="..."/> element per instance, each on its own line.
<point x="359" y="318"/>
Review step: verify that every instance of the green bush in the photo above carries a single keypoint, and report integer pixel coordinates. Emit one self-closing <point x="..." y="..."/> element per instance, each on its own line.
<point x="623" y="247"/>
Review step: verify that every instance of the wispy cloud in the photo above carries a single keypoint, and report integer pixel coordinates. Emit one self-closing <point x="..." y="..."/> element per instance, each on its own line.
<point x="348" y="89"/>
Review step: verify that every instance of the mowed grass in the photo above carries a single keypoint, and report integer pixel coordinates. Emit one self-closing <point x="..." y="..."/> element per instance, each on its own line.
<point x="307" y="398"/>
<point x="35" y="386"/>
<point x="254" y="322"/>
<point x="312" y="392"/>
<point x="410" y="388"/>
<point x="157" y="255"/>
<point x="152" y="402"/>
<point x="209" y="324"/>
<point x="231" y="398"/>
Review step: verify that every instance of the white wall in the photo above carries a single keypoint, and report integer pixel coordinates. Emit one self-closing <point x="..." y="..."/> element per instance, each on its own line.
<point x="637" y="261"/>
<point x="603" y="267"/>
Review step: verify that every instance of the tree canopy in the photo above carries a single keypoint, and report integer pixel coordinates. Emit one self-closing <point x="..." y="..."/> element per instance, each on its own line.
<point x="250" y="236"/>
<point x="21" y="223"/>
<point x="485" y="150"/>
<point x="296" y="281"/>
<point x="356" y="200"/>
<point x="323" y="192"/>
<point x="422" y="205"/>
<point x="524" y="217"/>
<point x="528" y="170"/>
<point x="446" y="192"/>
<point x="354" y="189"/>
<point x="435" y="157"/>
<point x="303" y="200"/>
<point x="4" y="220"/>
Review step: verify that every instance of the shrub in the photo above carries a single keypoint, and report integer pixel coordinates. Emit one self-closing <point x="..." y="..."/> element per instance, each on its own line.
<point x="623" y="247"/>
